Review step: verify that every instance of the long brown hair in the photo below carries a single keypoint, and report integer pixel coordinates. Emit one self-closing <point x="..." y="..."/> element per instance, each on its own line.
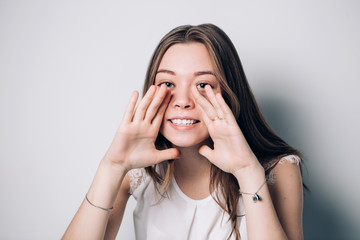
<point x="265" y="144"/>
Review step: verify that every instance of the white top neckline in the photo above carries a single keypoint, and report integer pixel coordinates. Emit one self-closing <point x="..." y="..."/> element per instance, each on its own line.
<point x="187" y="198"/>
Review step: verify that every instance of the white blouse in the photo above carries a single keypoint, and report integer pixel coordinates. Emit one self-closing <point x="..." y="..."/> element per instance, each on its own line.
<point x="177" y="216"/>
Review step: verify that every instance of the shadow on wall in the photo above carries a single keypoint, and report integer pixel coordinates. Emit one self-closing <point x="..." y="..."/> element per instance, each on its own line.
<point x="321" y="219"/>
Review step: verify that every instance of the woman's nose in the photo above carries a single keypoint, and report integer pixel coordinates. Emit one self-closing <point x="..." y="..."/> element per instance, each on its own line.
<point x="182" y="98"/>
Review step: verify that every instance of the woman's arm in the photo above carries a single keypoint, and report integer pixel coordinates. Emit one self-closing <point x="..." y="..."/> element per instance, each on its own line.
<point x="287" y="196"/>
<point x="117" y="213"/>
<point x="278" y="215"/>
<point x="133" y="147"/>
<point x="90" y="222"/>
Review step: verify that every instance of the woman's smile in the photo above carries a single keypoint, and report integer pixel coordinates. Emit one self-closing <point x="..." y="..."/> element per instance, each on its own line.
<point x="183" y="123"/>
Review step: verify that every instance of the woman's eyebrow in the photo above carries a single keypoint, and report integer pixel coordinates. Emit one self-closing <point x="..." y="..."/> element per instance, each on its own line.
<point x="166" y="71"/>
<point x="196" y="74"/>
<point x="204" y="73"/>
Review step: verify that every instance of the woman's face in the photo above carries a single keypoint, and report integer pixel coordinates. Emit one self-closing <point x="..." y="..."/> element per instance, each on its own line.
<point x="183" y="67"/>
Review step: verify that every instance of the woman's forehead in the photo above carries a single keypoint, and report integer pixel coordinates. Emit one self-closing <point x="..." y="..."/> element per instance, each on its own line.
<point x="187" y="58"/>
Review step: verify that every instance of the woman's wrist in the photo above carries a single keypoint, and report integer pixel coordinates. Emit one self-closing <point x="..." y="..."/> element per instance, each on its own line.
<point x="106" y="183"/>
<point x="250" y="177"/>
<point x="119" y="168"/>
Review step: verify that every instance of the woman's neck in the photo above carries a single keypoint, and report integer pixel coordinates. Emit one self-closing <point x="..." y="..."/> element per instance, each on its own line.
<point x="192" y="173"/>
<point x="191" y="164"/>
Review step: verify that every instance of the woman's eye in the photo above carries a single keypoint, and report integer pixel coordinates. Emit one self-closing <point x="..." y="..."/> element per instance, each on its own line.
<point x="167" y="84"/>
<point x="202" y="85"/>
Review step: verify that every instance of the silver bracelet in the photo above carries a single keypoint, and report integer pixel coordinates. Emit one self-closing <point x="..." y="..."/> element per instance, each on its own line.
<point x="105" y="209"/>
<point x="255" y="196"/>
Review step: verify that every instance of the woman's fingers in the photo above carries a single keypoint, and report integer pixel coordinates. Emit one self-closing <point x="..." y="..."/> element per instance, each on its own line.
<point x="206" y="151"/>
<point x="211" y="95"/>
<point x="150" y="104"/>
<point x="130" y="107"/>
<point x="144" y="104"/>
<point x="209" y="111"/>
<point x="228" y="114"/>
<point x="157" y="120"/>
<point x="156" y="103"/>
<point x="167" y="154"/>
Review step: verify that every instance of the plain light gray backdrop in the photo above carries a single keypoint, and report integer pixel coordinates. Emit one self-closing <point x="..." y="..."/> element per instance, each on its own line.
<point x="67" y="69"/>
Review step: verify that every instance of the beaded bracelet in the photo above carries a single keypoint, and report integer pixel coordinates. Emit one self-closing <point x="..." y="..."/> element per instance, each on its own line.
<point x="255" y="196"/>
<point x="105" y="209"/>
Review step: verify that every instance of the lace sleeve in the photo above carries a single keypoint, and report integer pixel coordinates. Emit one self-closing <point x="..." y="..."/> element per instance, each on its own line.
<point x="294" y="159"/>
<point x="291" y="158"/>
<point x="137" y="176"/>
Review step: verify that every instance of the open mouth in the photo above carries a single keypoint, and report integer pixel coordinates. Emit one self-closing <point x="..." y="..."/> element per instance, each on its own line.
<point x="183" y="122"/>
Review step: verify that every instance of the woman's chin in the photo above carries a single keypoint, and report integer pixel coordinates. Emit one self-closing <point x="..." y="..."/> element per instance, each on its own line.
<point x="183" y="143"/>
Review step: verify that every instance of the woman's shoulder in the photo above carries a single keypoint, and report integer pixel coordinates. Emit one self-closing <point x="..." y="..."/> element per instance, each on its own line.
<point x="295" y="159"/>
<point x="286" y="164"/>
<point x="137" y="176"/>
<point x="140" y="177"/>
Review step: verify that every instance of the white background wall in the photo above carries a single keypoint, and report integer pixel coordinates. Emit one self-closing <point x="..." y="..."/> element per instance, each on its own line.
<point x="67" y="69"/>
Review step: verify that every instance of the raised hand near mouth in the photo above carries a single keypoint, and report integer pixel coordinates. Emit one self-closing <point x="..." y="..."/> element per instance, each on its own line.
<point x="134" y="142"/>
<point x="231" y="151"/>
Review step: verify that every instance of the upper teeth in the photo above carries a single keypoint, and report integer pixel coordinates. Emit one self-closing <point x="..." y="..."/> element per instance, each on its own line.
<point x="183" y="121"/>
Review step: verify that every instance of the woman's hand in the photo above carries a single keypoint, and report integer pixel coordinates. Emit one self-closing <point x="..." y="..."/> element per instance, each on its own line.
<point x="231" y="151"/>
<point x="134" y="142"/>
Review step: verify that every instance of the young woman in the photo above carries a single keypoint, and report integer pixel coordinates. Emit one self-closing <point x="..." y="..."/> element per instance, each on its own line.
<point x="196" y="154"/>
